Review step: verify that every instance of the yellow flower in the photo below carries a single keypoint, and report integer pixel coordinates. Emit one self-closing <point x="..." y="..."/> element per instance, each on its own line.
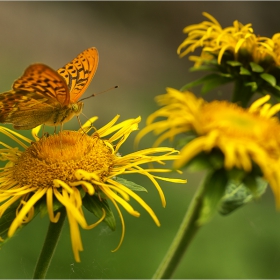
<point x="66" y="169"/>
<point x="245" y="137"/>
<point x="238" y="40"/>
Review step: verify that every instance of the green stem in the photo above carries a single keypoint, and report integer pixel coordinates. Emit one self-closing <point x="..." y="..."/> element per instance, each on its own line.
<point x="242" y="94"/>
<point x="49" y="246"/>
<point x="186" y="232"/>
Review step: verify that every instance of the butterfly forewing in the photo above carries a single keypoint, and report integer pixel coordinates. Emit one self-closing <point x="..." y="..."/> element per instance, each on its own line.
<point x="79" y="72"/>
<point x="41" y="79"/>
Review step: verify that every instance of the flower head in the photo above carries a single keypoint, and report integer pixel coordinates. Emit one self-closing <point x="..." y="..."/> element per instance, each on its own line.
<point x="248" y="139"/>
<point x="73" y="169"/>
<point x="239" y="40"/>
<point x="234" y="53"/>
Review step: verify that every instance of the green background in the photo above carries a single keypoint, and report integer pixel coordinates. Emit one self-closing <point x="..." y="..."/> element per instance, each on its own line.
<point x="137" y="44"/>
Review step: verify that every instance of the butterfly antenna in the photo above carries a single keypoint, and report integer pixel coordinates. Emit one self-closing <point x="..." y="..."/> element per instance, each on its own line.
<point x="99" y="93"/>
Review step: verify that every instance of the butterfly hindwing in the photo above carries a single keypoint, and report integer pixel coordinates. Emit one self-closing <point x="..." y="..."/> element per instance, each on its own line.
<point x="24" y="110"/>
<point x="79" y="72"/>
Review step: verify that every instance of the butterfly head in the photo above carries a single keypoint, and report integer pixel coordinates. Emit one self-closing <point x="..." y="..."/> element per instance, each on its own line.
<point x="77" y="107"/>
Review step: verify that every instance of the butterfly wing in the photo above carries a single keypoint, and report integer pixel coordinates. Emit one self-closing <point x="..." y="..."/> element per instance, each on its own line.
<point x="79" y="72"/>
<point x="25" y="110"/>
<point x="42" y="95"/>
<point x="44" y="81"/>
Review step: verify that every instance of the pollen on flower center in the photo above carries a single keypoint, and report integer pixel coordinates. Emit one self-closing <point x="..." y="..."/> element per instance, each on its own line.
<point x="59" y="156"/>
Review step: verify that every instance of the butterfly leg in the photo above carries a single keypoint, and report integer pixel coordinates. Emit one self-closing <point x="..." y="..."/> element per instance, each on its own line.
<point x="61" y="128"/>
<point x="79" y="121"/>
<point x="60" y="134"/>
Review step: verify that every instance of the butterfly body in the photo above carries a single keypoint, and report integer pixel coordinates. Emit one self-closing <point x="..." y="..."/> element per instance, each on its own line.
<point x="45" y="96"/>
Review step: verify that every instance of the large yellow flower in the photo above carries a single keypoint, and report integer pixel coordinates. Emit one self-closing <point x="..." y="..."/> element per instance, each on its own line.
<point x="245" y="137"/>
<point x="71" y="170"/>
<point x="239" y="40"/>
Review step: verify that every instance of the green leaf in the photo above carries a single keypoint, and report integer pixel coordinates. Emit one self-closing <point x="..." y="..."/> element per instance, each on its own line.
<point x="7" y="219"/>
<point x="42" y="206"/>
<point x="253" y="85"/>
<point x="203" y="161"/>
<point x="215" y="186"/>
<point x="244" y="71"/>
<point x="94" y="205"/>
<point x="202" y="68"/>
<point x="215" y="81"/>
<point x="269" y="78"/>
<point x="277" y="88"/>
<point x="199" y="163"/>
<point x="236" y="174"/>
<point x="256" y="67"/>
<point x="226" y="75"/>
<point x="234" y="63"/>
<point x="239" y="194"/>
<point x="256" y="185"/>
<point x="197" y="82"/>
<point x="180" y="143"/>
<point x="131" y="185"/>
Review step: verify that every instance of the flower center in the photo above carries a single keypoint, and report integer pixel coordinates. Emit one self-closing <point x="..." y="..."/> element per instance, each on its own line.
<point x="59" y="156"/>
<point x="236" y="123"/>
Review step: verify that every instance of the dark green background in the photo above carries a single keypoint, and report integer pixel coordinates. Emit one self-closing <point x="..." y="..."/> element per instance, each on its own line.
<point x="137" y="43"/>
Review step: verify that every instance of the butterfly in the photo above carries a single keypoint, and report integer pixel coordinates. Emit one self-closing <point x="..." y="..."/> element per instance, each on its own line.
<point x="45" y="96"/>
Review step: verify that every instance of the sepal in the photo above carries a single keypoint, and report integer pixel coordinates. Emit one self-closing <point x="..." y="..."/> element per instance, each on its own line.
<point x="94" y="204"/>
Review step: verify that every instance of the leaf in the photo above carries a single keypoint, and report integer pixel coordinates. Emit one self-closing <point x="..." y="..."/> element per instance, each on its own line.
<point x="277" y="88"/>
<point x="244" y="71"/>
<point x="131" y="185"/>
<point x="94" y="205"/>
<point x="203" y="161"/>
<point x="214" y="82"/>
<point x="210" y="82"/>
<point x="269" y="78"/>
<point x="7" y="219"/>
<point x="202" y="68"/>
<point x="180" y="143"/>
<point x="253" y="85"/>
<point x="239" y="194"/>
<point x="256" y="67"/>
<point x="42" y="206"/>
<point x="234" y="63"/>
<point x="197" y="82"/>
<point x="226" y="75"/>
<point x="256" y="185"/>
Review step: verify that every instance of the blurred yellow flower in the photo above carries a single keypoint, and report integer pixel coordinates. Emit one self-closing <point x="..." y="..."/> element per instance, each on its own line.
<point x="245" y="137"/>
<point x="65" y="169"/>
<point x="239" y="40"/>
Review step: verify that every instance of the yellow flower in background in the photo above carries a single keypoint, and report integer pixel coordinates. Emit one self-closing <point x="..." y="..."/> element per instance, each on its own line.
<point x="239" y="40"/>
<point x="245" y="137"/>
<point x="73" y="169"/>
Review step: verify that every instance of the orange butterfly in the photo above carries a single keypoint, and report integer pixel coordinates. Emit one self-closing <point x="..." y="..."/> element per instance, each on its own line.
<point x="45" y="96"/>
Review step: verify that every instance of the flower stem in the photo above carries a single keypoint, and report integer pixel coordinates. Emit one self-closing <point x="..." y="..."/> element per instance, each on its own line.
<point x="49" y="246"/>
<point x="186" y="232"/>
<point x="242" y="94"/>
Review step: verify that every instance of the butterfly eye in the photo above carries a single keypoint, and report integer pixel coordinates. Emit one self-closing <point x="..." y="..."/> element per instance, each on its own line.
<point x="77" y="107"/>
